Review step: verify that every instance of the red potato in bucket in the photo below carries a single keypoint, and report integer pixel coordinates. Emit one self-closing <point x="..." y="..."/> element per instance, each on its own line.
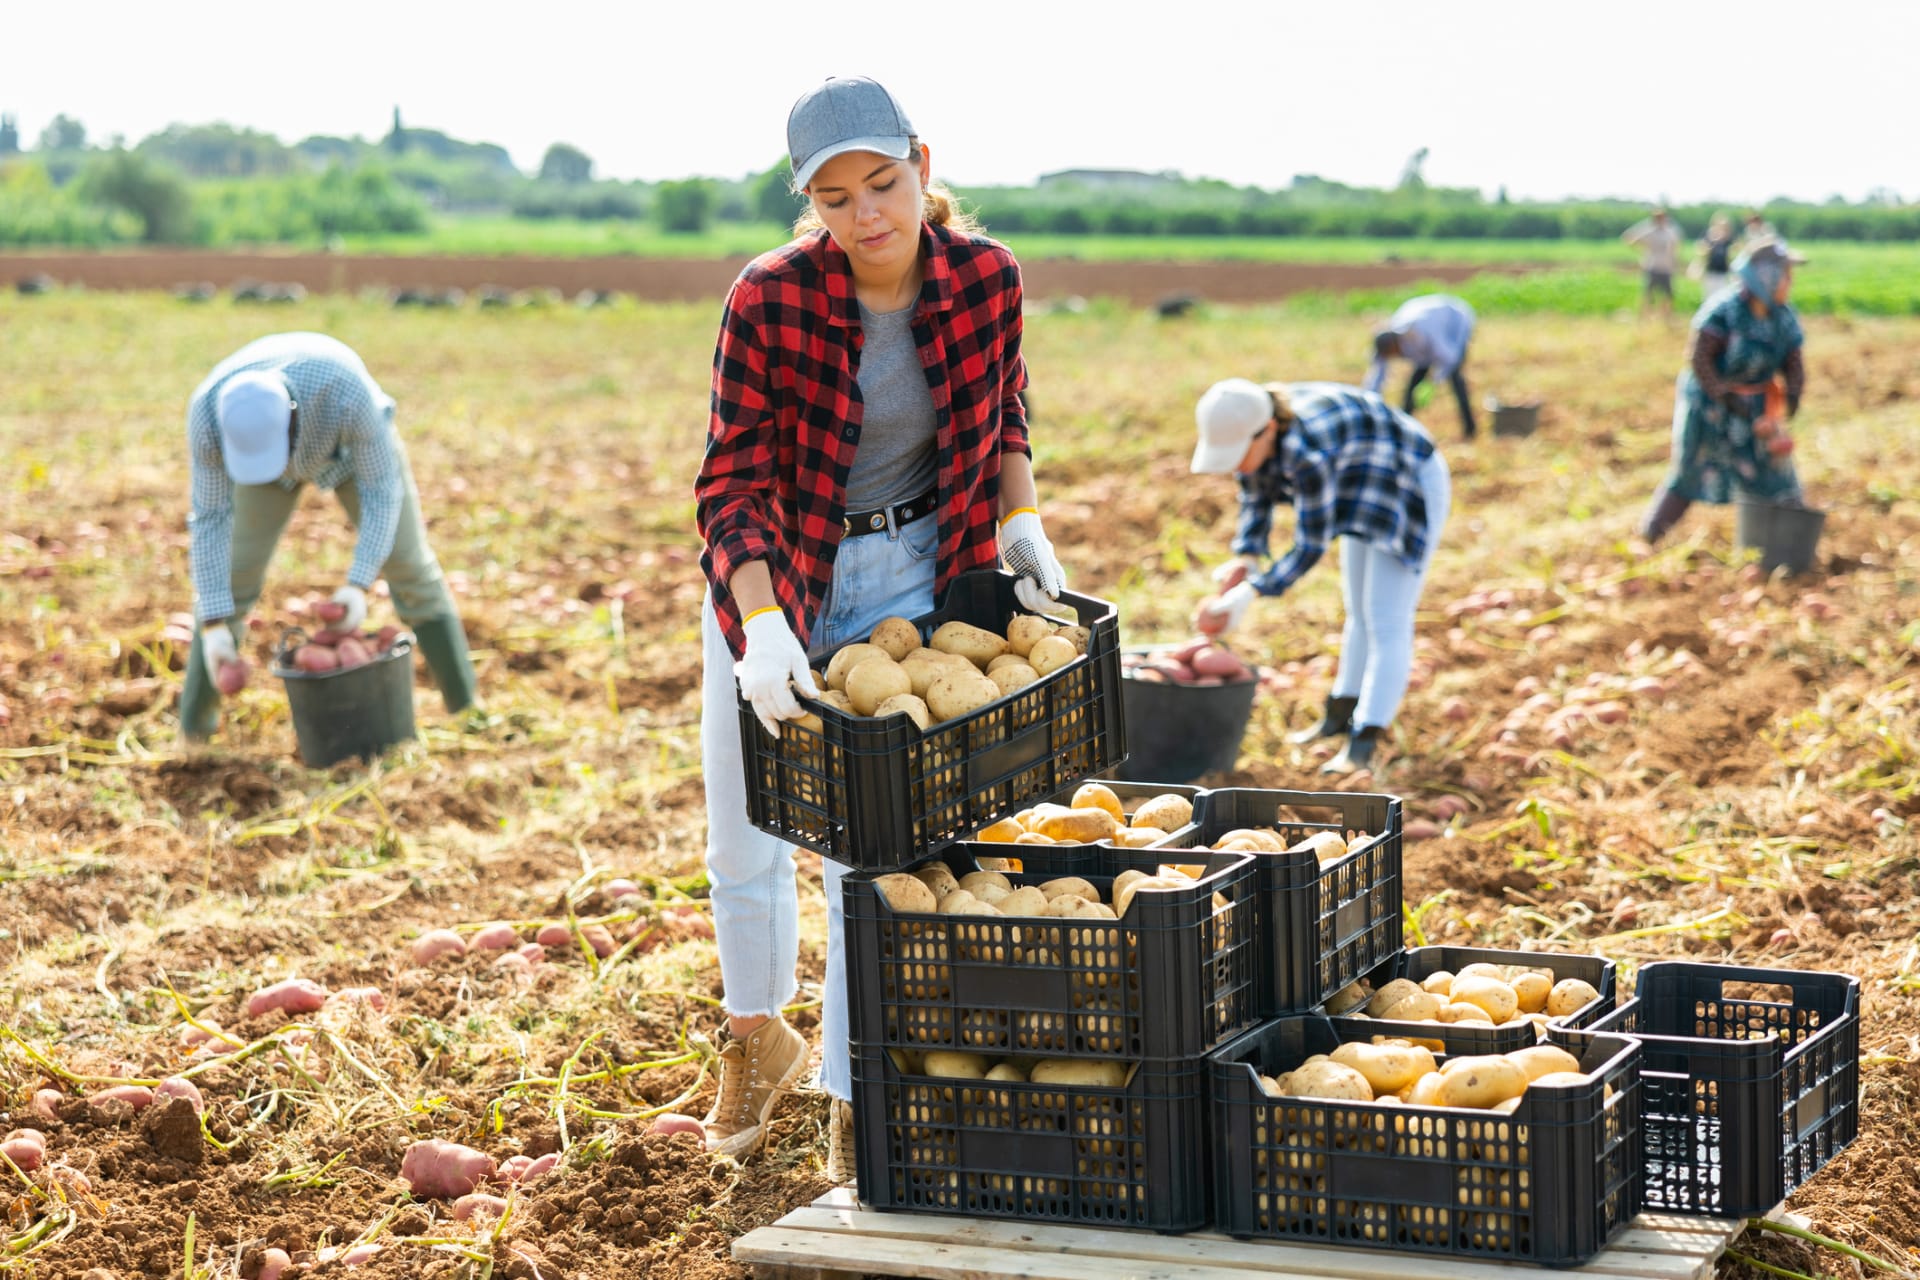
<point x="1218" y="660"/>
<point x="353" y="653"/>
<point x="315" y="658"/>
<point x="329" y="611"/>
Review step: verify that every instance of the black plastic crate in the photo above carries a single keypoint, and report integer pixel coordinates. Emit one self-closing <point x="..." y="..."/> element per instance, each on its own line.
<point x="1173" y="979"/>
<point x="878" y="794"/>
<point x="1550" y="1183"/>
<point x="1131" y="795"/>
<point x="1135" y="1156"/>
<point x="1319" y="928"/>
<point x="1417" y="963"/>
<point x="1748" y="1093"/>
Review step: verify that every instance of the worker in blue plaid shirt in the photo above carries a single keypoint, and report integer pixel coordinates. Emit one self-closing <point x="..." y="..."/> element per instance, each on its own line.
<point x="281" y="413"/>
<point x="1353" y="467"/>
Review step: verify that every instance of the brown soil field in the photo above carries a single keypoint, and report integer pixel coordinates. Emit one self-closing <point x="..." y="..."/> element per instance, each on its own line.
<point x="670" y="280"/>
<point x="1756" y="802"/>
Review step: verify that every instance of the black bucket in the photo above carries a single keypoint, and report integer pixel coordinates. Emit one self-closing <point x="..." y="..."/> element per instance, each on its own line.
<point x="1514" y="419"/>
<point x="1176" y="732"/>
<point x="359" y="712"/>
<point x="1785" y="534"/>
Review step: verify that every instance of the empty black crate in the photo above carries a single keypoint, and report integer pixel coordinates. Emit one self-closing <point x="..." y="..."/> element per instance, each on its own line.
<point x="1320" y="927"/>
<point x="1173" y="979"/>
<point x="1134" y="1156"/>
<point x="1131" y="795"/>
<point x="1418" y="963"/>
<point x="878" y="794"/>
<point x="1551" y="1183"/>
<point x="1748" y="1092"/>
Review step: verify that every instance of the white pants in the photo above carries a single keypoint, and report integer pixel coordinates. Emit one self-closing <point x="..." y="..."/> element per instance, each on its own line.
<point x="1376" y="647"/>
<point x="756" y="908"/>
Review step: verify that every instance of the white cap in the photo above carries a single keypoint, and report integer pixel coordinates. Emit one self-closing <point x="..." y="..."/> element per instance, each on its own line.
<point x="1229" y="415"/>
<point x="254" y="410"/>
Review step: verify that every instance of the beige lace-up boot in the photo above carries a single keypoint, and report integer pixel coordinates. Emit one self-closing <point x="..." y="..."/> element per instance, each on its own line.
<point x="754" y="1072"/>
<point x="841" y="1165"/>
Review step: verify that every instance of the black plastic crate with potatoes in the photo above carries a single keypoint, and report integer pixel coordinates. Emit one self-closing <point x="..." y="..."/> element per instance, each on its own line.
<point x="878" y="793"/>
<point x="1132" y="1154"/>
<point x="1752" y="1081"/>
<point x="1321" y="925"/>
<point x="1550" y="1182"/>
<point x="1417" y="964"/>
<point x="1172" y="977"/>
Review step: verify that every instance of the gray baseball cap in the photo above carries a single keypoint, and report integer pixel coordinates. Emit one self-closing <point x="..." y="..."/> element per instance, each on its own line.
<point x="850" y="113"/>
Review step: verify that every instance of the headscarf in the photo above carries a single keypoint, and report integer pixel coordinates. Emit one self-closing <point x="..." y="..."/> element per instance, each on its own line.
<point x="1761" y="269"/>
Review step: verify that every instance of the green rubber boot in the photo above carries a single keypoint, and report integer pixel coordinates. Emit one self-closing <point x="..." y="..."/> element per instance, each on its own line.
<point x="199" y="699"/>
<point x="443" y="643"/>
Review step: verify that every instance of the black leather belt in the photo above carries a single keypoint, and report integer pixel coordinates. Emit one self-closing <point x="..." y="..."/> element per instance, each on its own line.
<point x="859" y="522"/>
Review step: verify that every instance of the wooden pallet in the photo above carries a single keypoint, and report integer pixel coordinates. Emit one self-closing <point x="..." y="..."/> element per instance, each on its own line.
<point x="835" y="1235"/>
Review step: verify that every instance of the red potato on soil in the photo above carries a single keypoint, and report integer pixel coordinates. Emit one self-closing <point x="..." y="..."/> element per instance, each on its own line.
<point x="436" y="1168"/>
<point x="478" y="1205"/>
<point x="672" y="1123"/>
<point x="514" y="962"/>
<point x="294" y="996"/>
<point x="532" y="953"/>
<point x="618" y="889"/>
<point x="498" y="936"/>
<point x="1446" y="807"/>
<point x="232" y="677"/>
<point x="527" y="1168"/>
<point x="46" y="1104"/>
<point x="26" y="1148"/>
<point x="175" y="1087"/>
<point x="554" y="935"/>
<point x="434" y="943"/>
<point x="137" y="1096"/>
<point x="1420" y="829"/>
<point x="600" y="940"/>
<point x="273" y="1264"/>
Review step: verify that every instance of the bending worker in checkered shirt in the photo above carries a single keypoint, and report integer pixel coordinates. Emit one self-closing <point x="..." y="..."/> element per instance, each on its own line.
<point x="1354" y="468"/>
<point x="286" y="411"/>
<point x="866" y="445"/>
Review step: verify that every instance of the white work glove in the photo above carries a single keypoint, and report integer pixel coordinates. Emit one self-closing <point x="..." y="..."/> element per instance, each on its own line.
<point x="217" y="649"/>
<point x="1235" y="571"/>
<point x="774" y="660"/>
<point x="1223" y="612"/>
<point x="1025" y="550"/>
<point x="354" y="600"/>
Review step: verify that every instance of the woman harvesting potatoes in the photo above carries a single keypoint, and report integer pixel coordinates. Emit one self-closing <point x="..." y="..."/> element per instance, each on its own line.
<point x="866" y="444"/>
<point x="1729" y="413"/>
<point x="1353" y="468"/>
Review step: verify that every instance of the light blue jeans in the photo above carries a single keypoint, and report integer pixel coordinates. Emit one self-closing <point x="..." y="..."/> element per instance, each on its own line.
<point x="756" y="906"/>
<point x="1376" y="647"/>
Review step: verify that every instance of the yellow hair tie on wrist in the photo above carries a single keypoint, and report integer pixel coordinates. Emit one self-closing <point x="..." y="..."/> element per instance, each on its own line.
<point x="1018" y="511"/>
<point x="765" y="608"/>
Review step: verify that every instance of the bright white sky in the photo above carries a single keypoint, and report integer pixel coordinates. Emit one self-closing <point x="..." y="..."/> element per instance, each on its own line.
<point x="1733" y="101"/>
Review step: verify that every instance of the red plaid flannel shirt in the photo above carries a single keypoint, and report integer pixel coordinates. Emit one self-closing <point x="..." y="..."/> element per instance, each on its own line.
<point x="786" y="414"/>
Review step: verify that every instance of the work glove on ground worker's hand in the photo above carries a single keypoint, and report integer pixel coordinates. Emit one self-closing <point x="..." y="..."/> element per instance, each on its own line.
<point x="1235" y="571"/>
<point x="1222" y="613"/>
<point x="774" y="659"/>
<point x="217" y="649"/>
<point x="1025" y="551"/>
<point x="354" y="601"/>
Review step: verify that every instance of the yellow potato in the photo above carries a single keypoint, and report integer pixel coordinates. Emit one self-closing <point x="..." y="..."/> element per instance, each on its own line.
<point x="955" y="693"/>
<point x="1491" y="994"/>
<point x="873" y="680"/>
<point x="1013" y="677"/>
<point x="1424" y="1092"/>
<point x="1032" y="837"/>
<point x="1024" y="901"/>
<point x="1440" y="982"/>
<point x="1024" y="631"/>
<point x="1085" y="910"/>
<point x="1078" y="826"/>
<point x="1138" y="837"/>
<point x="1391" y="994"/>
<point x="1327" y="846"/>
<point x="1005" y="831"/>
<point x="951" y="902"/>
<point x="903" y="892"/>
<point x="973" y="881"/>
<point x="1486" y="969"/>
<point x="1570" y="995"/>
<point x="1060" y="885"/>
<point x="1388" y="1067"/>
<point x="1168" y="812"/>
<point x="1101" y="1074"/>
<point x="1050" y="654"/>
<point x="1097" y="795"/>
<point x="844" y="662"/>
<point x="956" y="1063"/>
<point x="1124" y="879"/>
<point x="971" y="907"/>
<point x="1480" y="1081"/>
<point x="976" y="644"/>
<point x="1007" y="1071"/>
<point x="908" y="705"/>
<point x="1077" y="636"/>
<point x="1260" y="837"/>
<point x="908" y="1061"/>
<point x="897" y="636"/>
<point x="1416" y="1007"/>
<point x="924" y="666"/>
<point x="1532" y="990"/>
<point x="1122" y="898"/>
<point x="1006" y="660"/>
<point x="1327" y="1079"/>
<point x="1065" y="904"/>
<point x="938" y="878"/>
<point x="1557" y="1078"/>
<point x="1543" y="1060"/>
<point x="1464" y="1012"/>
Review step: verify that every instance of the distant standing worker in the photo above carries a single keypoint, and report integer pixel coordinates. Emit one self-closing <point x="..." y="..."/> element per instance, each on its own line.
<point x="1725" y="433"/>
<point x="281" y="413"/>
<point x="1353" y="468"/>
<point x="1658" y="237"/>
<point x="1432" y="332"/>
<point x="1716" y="253"/>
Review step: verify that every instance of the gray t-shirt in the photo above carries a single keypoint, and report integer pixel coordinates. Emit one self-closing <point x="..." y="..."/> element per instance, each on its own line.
<point x="895" y="461"/>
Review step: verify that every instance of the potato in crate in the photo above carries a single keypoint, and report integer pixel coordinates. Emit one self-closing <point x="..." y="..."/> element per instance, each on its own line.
<point x="1088" y="951"/>
<point x="1143" y="815"/>
<point x="1320" y="1135"/>
<point x="1112" y="1143"/>
<point x="1752" y="1080"/>
<point x="938" y="726"/>
<point x="1329" y="884"/>
<point x="1491" y="1001"/>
